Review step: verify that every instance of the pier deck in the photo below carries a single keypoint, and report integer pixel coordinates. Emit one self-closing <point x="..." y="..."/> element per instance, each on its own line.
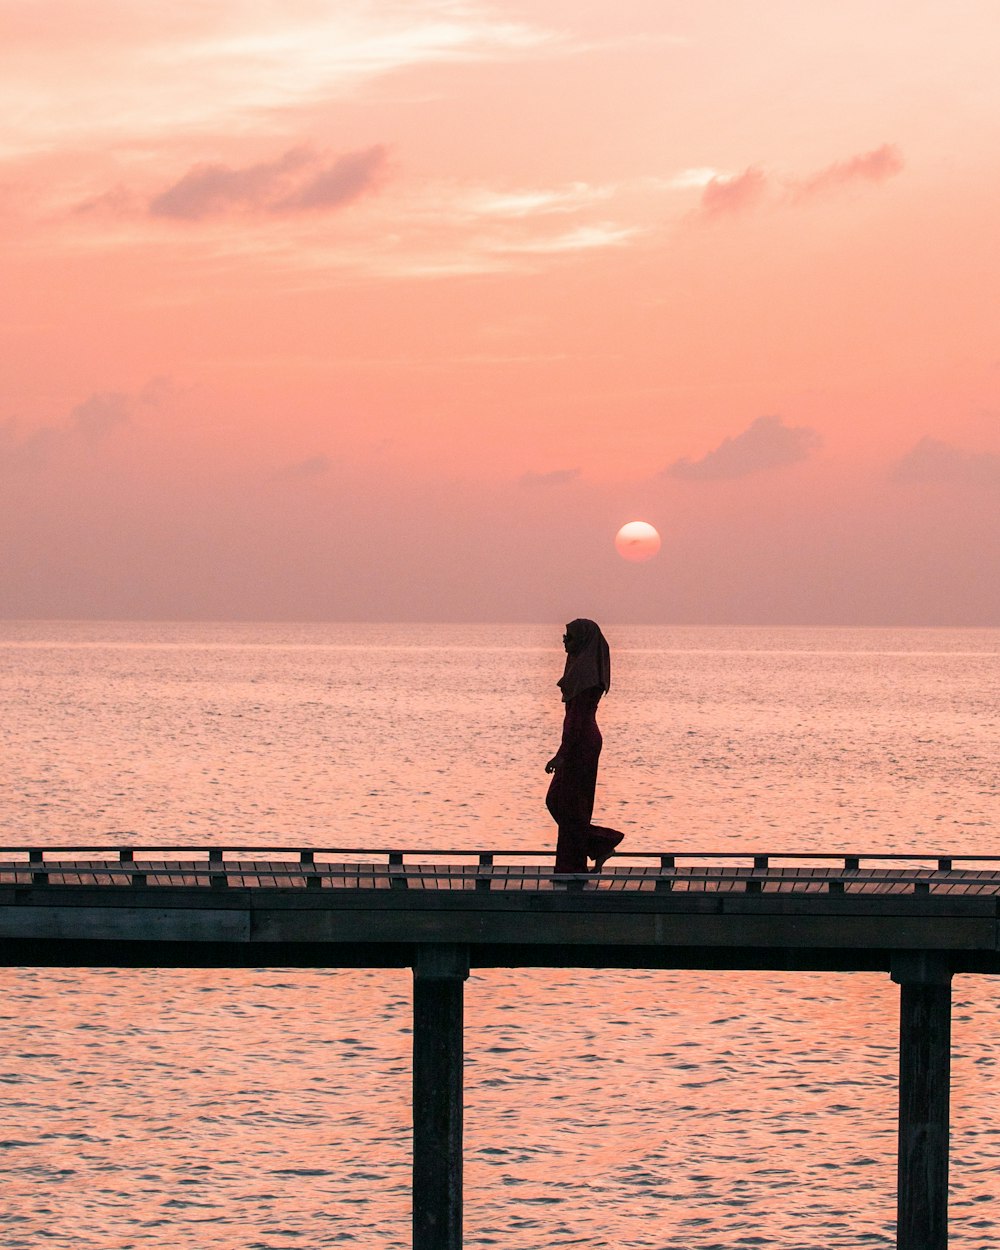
<point x="920" y="919"/>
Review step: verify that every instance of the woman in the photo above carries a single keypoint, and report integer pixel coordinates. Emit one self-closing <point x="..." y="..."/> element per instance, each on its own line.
<point x="570" y="799"/>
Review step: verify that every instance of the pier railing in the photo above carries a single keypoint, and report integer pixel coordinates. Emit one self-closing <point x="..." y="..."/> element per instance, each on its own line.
<point x="262" y="867"/>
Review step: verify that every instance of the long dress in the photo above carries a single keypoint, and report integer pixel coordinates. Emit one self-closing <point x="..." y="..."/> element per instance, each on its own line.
<point x="570" y="797"/>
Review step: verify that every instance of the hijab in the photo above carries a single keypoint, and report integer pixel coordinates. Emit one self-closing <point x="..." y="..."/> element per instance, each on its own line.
<point x="589" y="664"/>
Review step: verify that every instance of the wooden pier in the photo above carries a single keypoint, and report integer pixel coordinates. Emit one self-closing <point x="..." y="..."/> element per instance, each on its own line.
<point x="920" y="920"/>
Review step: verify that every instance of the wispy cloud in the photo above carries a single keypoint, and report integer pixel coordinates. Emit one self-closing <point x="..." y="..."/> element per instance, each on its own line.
<point x="530" y="202"/>
<point x="933" y="460"/>
<point x="583" y="238"/>
<point x="442" y="232"/>
<point x="297" y="181"/>
<point x="767" y="444"/>
<point x="161" y="70"/>
<point x="697" y="176"/>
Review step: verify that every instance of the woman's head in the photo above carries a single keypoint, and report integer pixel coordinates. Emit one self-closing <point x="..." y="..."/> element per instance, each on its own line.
<point x="588" y="658"/>
<point x="578" y="634"/>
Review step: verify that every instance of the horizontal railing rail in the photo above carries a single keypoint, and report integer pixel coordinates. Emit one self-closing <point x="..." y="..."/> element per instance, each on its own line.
<point x="396" y="855"/>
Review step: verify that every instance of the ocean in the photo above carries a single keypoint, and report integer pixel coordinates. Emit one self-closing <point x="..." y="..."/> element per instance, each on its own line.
<point x="269" y="1109"/>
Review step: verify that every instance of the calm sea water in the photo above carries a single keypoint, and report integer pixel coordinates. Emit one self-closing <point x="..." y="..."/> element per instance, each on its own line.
<point x="270" y="1109"/>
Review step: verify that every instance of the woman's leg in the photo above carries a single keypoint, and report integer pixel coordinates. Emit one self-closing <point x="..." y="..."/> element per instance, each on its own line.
<point x="571" y="849"/>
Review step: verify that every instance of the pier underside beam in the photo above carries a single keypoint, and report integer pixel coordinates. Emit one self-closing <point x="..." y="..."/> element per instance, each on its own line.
<point x="439" y="972"/>
<point x="924" y="1095"/>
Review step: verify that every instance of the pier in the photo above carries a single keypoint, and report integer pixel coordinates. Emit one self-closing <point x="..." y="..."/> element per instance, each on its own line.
<point x="920" y="920"/>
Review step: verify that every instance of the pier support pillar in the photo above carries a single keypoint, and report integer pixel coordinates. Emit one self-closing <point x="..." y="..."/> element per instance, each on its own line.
<point x="439" y="970"/>
<point x="924" y="1092"/>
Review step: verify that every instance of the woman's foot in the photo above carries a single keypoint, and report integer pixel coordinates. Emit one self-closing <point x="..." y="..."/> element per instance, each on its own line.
<point x="602" y="845"/>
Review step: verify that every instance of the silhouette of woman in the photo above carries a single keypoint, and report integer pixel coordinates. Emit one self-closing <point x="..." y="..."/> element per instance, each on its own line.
<point x="570" y="798"/>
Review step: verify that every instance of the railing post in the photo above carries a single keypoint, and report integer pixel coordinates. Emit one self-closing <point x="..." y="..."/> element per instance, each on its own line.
<point x="439" y="970"/>
<point x="924" y="1093"/>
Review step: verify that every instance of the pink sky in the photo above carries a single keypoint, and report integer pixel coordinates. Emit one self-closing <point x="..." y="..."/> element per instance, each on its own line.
<point x="399" y="310"/>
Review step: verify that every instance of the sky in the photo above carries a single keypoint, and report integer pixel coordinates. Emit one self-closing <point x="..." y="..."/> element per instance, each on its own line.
<point x="355" y="310"/>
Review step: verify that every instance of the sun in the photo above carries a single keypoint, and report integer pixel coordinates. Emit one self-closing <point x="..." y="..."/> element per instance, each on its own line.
<point x="637" y="541"/>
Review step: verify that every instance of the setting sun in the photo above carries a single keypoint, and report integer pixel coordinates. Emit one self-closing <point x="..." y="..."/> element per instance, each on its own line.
<point x="637" y="541"/>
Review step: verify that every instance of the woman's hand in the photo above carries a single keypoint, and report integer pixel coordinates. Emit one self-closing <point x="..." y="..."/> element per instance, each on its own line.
<point x="554" y="763"/>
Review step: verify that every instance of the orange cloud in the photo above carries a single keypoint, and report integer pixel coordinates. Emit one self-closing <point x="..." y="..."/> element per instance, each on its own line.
<point x="873" y="167"/>
<point x="723" y="196"/>
<point x="933" y="460"/>
<point x="89" y="424"/>
<point x="767" y="444"/>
